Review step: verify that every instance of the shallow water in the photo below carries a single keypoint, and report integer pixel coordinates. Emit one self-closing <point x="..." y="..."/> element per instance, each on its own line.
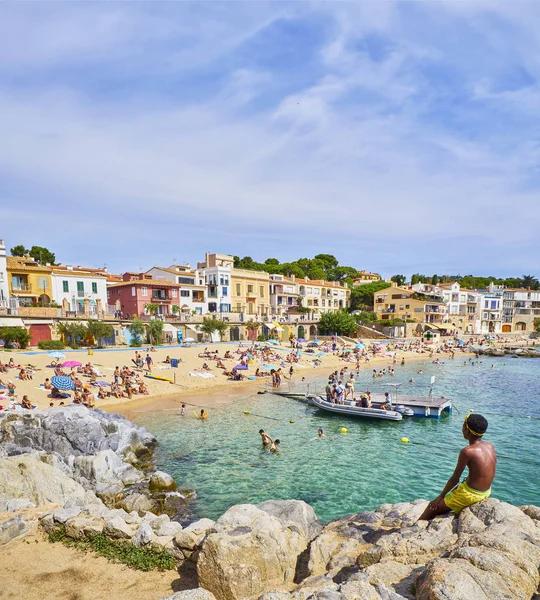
<point x="223" y="460"/>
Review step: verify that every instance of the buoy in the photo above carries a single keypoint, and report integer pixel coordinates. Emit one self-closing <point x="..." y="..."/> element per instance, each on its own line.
<point x="246" y="412"/>
<point x="404" y="440"/>
<point x="343" y="430"/>
<point x="528" y="416"/>
<point x="291" y="421"/>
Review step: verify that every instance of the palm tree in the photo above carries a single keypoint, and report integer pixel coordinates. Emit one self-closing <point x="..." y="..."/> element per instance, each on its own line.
<point x="530" y="281"/>
<point x="151" y="309"/>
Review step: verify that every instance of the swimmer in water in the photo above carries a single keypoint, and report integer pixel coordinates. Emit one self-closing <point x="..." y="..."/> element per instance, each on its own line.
<point x="266" y="439"/>
<point x="320" y="433"/>
<point x="183" y="409"/>
<point x="274" y="446"/>
<point x="203" y="415"/>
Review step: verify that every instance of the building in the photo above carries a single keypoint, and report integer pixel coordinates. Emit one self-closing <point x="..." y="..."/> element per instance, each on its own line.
<point x="284" y="296"/>
<point x="28" y="281"/>
<point x="520" y="309"/>
<point x="408" y="304"/>
<point x="79" y="290"/>
<point x="137" y="290"/>
<point x="366" y="277"/>
<point x="4" y="287"/>
<point x="321" y="296"/>
<point x="250" y="292"/>
<point x="192" y="287"/>
<point x="491" y="312"/>
<point x="217" y="271"/>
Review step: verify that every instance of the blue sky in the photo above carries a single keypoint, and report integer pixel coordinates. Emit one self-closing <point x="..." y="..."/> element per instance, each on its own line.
<point x="399" y="136"/>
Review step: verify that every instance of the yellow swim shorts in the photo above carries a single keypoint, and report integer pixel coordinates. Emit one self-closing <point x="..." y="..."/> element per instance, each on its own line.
<point x="463" y="495"/>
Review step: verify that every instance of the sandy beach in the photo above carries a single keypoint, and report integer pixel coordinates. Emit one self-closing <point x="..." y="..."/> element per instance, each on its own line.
<point x="189" y="384"/>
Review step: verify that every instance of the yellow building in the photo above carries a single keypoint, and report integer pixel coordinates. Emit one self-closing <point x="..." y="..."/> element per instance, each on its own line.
<point x="250" y="292"/>
<point x="402" y="303"/>
<point x="366" y="277"/>
<point x="29" y="281"/>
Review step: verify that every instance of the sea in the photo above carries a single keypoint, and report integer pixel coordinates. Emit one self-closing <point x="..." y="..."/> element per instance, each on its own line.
<point x="223" y="460"/>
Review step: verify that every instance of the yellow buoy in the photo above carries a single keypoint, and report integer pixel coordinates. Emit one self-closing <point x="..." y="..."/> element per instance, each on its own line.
<point x="291" y="421"/>
<point x="246" y="412"/>
<point x="343" y="430"/>
<point x="404" y="440"/>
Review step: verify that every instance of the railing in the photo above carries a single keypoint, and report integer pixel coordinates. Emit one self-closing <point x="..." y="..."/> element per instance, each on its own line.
<point x="21" y="287"/>
<point x="198" y="299"/>
<point x="159" y="297"/>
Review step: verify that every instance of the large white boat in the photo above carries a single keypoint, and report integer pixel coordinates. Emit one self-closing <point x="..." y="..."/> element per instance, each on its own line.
<point x="351" y="410"/>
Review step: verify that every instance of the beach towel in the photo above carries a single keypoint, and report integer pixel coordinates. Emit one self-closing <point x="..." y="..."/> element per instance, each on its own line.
<point x="203" y="375"/>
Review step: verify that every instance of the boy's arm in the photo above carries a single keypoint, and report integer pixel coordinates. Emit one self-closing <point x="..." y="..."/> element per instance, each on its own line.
<point x="463" y="461"/>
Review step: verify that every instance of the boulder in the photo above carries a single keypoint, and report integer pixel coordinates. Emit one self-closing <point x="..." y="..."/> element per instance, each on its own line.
<point x="61" y="515"/>
<point x="161" y="482"/>
<point x="251" y="551"/>
<point x="194" y="594"/>
<point x="192" y="536"/>
<point x="171" y="529"/>
<point x="135" y="502"/>
<point x="143" y="536"/>
<point x="75" y="528"/>
<point x="12" y="528"/>
<point x="117" y="528"/>
<point x="105" y="468"/>
<point x="27" y="476"/>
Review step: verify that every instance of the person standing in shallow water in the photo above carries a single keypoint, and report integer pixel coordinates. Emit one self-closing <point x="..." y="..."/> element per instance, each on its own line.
<point x="479" y="456"/>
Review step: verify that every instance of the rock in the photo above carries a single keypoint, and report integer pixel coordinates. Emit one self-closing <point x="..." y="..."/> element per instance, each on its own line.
<point x="162" y="482"/>
<point x="75" y="528"/>
<point x="117" y="528"/>
<point x="75" y="431"/>
<point x="143" y="536"/>
<point x="162" y="542"/>
<point x="27" y="476"/>
<point x="195" y="594"/>
<point x="171" y="529"/>
<point x="63" y="514"/>
<point x="531" y="511"/>
<point x="111" y="495"/>
<point x="12" y="528"/>
<point x="105" y="468"/>
<point x="192" y="536"/>
<point x="156" y="522"/>
<point x="18" y="504"/>
<point x="47" y="522"/>
<point x="93" y="528"/>
<point x="135" y="502"/>
<point x="250" y="551"/>
<point x="294" y="514"/>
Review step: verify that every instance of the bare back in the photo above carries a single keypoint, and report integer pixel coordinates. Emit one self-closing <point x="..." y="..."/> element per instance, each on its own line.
<point x="481" y="460"/>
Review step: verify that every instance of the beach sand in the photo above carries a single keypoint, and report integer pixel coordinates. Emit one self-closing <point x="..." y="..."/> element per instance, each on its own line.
<point x="194" y="390"/>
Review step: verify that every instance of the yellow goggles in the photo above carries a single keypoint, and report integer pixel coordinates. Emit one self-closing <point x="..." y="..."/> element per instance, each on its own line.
<point x="473" y="432"/>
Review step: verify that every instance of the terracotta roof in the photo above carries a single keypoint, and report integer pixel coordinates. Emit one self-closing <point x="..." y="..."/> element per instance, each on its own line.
<point x="447" y="283"/>
<point x="24" y="263"/>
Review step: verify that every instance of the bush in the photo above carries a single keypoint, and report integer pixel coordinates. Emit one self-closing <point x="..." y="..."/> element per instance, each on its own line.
<point x="261" y="338"/>
<point x="74" y="345"/>
<point x="51" y="345"/>
<point x="15" y="334"/>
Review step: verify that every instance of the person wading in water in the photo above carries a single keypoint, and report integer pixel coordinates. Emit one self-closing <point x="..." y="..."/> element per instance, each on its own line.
<point x="479" y="456"/>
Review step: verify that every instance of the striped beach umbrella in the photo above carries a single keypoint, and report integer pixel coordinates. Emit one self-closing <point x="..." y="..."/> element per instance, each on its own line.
<point x="62" y="383"/>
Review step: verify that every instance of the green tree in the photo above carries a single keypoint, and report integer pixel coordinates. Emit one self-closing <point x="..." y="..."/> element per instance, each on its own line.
<point x="136" y="328"/>
<point x="271" y="261"/>
<point x="435" y="279"/>
<point x="42" y="255"/>
<point x="252" y="325"/>
<point x="537" y="325"/>
<point x="15" y="334"/>
<point x="151" y="309"/>
<point x="365" y="317"/>
<point x="19" y="250"/>
<point x="221" y="328"/>
<point x="362" y="295"/>
<point x="154" y="332"/>
<point x="209" y="326"/>
<point x="339" y="323"/>
<point x="175" y="309"/>
<point x="398" y="279"/>
<point x="99" y="330"/>
<point x="529" y="281"/>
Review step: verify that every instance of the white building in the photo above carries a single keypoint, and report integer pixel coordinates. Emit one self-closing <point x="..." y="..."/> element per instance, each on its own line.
<point x="283" y="296"/>
<point x="192" y="293"/>
<point x="4" y="288"/>
<point x="491" y="312"/>
<point x="80" y="290"/>
<point x="217" y="271"/>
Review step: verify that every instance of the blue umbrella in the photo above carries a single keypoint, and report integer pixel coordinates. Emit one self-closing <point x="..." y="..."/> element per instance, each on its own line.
<point x="57" y="354"/>
<point x="62" y="383"/>
<point x="360" y="346"/>
<point x="273" y="341"/>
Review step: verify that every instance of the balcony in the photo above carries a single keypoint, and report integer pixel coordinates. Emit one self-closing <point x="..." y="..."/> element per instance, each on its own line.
<point x="198" y="299"/>
<point x="21" y="288"/>
<point x="160" y="297"/>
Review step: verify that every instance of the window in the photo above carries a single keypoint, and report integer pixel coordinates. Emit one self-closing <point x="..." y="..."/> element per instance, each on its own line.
<point x="144" y="291"/>
<point x="184" y="293"/>
<point x="239" y="307"/>
<point x="133" y="291"/>
<point x="80" y="288"/>
<point x="189" y="280"/>
<point x="238" y="290"/>
<point x="261" y="290"/>
<point x="493" y="304"/>
<point x="250" y="289"/>
<point x="94" y="287"/>
<point x="224" y="291"/>
<point x="174" y="293"/>
<point x="407" y="306"/>
<point x="43" y="284"/>
<point x="65" y="286"/>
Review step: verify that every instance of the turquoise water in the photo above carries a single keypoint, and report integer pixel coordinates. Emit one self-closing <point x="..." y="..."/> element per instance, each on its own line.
<point x="222" y="458"/>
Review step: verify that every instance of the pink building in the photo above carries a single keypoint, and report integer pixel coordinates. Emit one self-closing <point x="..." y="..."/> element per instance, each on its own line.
<point x="138" y="289"/>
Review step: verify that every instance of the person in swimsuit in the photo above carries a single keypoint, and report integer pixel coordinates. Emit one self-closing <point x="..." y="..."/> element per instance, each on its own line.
<point x="274" y="446"/>
<point x="266" y="439"/>
<point x="479" y="456"/>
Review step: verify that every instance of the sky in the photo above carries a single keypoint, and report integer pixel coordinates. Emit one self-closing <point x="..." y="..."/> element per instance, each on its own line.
<point x="399" y="136"/>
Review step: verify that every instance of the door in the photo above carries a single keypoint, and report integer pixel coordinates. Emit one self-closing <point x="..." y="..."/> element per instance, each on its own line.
<point x="301" y="332"/>
<point x="39" y="333"/>
<point x="235" y="334"/>
<point x="507" y="328"/>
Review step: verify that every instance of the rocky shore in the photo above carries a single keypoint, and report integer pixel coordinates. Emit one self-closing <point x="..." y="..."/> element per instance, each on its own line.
<point x="88" y="474"/>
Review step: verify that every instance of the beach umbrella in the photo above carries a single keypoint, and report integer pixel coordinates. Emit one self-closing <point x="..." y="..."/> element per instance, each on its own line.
<point x="71" y="363"/>
<point x="62" y="383"/>
<point x="361" y="346"/>
<point x="301" y="340"/>
<point x="190" y="339"/>
<point x="56" y="354"/>
<point x="273" y="342"/>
